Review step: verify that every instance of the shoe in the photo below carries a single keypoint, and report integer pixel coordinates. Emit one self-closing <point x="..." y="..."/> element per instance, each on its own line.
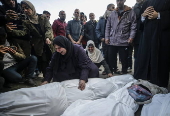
<point x="30" y="82"/>
<point x="104" y="73"/>
<point x="123" y="73"/>
<point x="117" y="72"/>
<point x="129" y="69"/>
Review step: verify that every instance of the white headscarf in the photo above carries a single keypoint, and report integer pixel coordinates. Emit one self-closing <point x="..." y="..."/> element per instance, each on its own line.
<point x="96" y="55"/>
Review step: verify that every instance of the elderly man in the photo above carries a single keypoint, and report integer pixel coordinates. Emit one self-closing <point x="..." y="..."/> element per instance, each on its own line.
<point x="75" y="30"/>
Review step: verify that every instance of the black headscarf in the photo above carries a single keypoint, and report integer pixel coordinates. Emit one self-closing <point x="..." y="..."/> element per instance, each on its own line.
<point x="64" y="61"/>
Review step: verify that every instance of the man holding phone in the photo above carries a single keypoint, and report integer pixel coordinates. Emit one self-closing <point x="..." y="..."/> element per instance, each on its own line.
<point x="9" y="14"/>
<point x="15" y="61"/>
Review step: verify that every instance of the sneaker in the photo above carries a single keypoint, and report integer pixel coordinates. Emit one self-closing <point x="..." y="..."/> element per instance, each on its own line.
<point x="129" y="69"/>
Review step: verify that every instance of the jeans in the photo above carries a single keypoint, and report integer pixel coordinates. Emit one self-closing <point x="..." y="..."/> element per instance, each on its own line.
<point x="12" y="74"/>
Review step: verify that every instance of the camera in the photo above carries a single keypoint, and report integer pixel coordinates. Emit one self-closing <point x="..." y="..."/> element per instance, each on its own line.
<point x="21" y="16"/>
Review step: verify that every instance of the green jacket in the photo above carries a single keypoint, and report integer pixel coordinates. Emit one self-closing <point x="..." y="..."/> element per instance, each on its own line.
<point x="37" y="39"/>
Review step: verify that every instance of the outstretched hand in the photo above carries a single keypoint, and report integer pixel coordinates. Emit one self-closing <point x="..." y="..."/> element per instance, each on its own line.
<point x="82" y="85"/>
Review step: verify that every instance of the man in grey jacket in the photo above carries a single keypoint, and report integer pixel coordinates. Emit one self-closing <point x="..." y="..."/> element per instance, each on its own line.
<point x="74" y="29"/>
<point x="120" y="32"/>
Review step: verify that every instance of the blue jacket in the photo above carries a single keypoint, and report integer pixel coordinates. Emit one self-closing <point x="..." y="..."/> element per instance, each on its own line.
<point x="100" y="28"/>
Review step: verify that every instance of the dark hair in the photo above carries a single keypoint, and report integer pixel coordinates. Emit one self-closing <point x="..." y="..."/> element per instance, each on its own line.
<point x="46" y="12"/>
<point x="108" y="6"/>
<point x="82" y="13"/>
<point x="61" y="11"/>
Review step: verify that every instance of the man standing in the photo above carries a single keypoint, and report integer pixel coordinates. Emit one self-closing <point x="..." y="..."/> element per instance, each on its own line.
<point x="100" y="32"/>
<point x="153" y="54"/>
<point x="75" y="30"/>
<point x="137" y="9"/>
<point x="59" y="25"/>
<point x="120" y="31"/>
<point x="89" y="30"/>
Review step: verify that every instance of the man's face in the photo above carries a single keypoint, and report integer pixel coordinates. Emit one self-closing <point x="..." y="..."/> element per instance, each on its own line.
<point x="11" y="3"/>
<point x="62" y="15"/>
<point x="91" y="16"/>
<point x="48" y="16"/>
<point x="120" y="3"/>
<point x="82" y="18"/>
<point x="112" y="8"/>
<point x="77" y="13"/>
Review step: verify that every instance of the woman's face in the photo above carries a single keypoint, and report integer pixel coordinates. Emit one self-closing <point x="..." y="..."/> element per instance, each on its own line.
<point x="91" y="48"/>
<point x="60" y="50"/>
<point x="27" y="10"/>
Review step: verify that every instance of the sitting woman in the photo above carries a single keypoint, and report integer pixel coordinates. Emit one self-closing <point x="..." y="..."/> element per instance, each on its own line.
<point x="96" y="57"/>
<point x="70" y="62"/>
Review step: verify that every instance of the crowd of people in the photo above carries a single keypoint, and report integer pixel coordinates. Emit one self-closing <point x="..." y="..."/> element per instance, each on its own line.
<point x="30" y="45"/>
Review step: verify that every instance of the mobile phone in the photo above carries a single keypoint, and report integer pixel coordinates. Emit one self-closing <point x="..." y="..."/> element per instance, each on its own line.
<point x="13" y="47"/>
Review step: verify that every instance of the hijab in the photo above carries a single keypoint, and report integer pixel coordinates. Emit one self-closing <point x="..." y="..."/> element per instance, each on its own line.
<point x="64" y="61"/>
<point x="96" y="55"/>
<point x="34" y="17"/>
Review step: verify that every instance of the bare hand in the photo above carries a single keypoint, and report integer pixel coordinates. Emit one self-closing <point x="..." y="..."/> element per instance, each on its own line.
<point x="82" y="85"/>
<point x="154" y="15"/>
<point x="10" y="14"/>
<point x="3" y="50"/>
<point x="107" y="41"/>
<point x="48" y="41"/>
<point x="130" y="40"/>
<point x="102" y="40"/>
<point x="10" y="26"/>
<point x="11" y="51"/>
<point x="110" y="75"/>
<point x="78" y="42"/>
<point x="45" y="82"/>
<point x="148" y="11"/>
<point x="74" y="42"/>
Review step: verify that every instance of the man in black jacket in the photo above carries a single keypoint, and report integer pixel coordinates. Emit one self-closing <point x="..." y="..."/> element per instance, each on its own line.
<point x="100" y="31"/>
<point x="137" y="9"/>
<point x="89" y="30"/>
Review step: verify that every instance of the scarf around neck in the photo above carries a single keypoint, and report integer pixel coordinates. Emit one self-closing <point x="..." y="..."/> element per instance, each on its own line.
<point x="96" y="55"/>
